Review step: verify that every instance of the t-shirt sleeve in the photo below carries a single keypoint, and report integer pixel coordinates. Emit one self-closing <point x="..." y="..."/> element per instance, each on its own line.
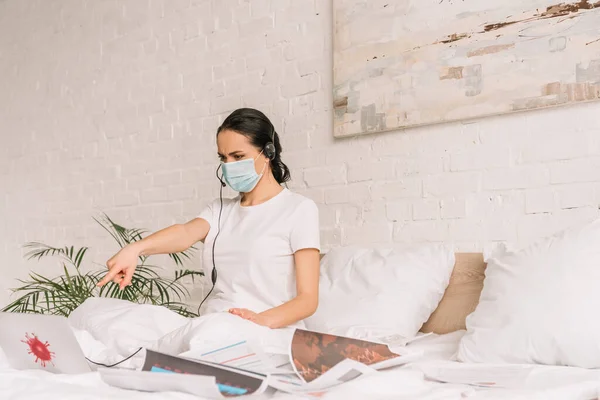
<point x="207" y="213"/>
<point x="305" y="232"/>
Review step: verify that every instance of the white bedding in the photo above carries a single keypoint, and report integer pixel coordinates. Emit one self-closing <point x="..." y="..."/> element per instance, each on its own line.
<point x="110" y="330"/>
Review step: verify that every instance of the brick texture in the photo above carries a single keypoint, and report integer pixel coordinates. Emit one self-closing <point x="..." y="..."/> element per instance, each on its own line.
<point x="112" y="107"/>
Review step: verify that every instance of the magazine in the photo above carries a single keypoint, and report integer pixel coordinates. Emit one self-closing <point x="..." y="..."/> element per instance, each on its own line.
<point x="313" y="354"/>
<point x="146" y="381"/>
<point x="317" y="362"/>
<point x="322" y="361"/>
<point x="164" y="372"/>
<point x="342" y="372"/>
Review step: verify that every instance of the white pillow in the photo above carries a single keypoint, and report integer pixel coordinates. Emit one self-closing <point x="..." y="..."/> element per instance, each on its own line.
<point x="371" y="293"/>
<point x="541" y="304"/>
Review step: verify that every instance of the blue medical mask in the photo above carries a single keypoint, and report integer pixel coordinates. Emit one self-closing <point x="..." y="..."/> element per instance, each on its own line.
<point x="241" y="175"/>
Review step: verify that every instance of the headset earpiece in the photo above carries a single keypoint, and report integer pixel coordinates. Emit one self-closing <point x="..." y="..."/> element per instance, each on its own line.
<point x="270" y="151"/>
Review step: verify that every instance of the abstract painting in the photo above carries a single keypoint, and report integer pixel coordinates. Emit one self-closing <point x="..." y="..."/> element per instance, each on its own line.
<point x="405" y="63"/>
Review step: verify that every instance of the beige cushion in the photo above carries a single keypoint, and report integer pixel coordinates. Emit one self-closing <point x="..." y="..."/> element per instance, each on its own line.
<point x="461" y="297"/>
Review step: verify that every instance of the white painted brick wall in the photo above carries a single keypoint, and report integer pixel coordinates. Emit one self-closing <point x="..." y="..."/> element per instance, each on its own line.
<point x="113" y="106"/>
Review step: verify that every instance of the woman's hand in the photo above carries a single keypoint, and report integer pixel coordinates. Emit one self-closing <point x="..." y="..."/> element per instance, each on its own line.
<point x="121" y="267"/>
<point x="252" y="316"/>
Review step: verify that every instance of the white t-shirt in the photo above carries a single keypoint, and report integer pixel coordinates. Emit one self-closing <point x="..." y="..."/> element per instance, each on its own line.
<point x="254" y="252"/>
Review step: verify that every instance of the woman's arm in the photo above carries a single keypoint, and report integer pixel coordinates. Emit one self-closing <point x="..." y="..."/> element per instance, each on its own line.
<point x="173" y="239"/>
<point x="300" y="307"/>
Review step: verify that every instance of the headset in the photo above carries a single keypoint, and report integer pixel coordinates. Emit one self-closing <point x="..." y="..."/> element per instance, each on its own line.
<point x="270" y="152"/>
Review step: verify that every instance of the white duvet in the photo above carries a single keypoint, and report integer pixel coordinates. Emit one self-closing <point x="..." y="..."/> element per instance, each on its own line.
<point x="110" y="330"/>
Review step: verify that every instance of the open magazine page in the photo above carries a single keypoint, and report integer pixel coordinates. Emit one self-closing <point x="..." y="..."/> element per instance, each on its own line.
<point x="230" y="381"/>
<point x="342" y="372"/>
<point x="145" y="381"/>
<point x="313" y="354"/>
<point x="244" y="354"/>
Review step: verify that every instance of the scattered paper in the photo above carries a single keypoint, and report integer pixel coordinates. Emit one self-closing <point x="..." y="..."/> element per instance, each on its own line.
<point x="399" y="340"/>
<point x="504" y="376"/>
<point x="316" y="362"/>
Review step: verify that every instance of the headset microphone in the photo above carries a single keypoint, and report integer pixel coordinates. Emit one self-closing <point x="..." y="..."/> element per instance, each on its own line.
<point x="220" y="178"/>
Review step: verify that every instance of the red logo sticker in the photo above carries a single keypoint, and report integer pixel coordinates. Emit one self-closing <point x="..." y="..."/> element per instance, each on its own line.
<point x="39" y="349"/>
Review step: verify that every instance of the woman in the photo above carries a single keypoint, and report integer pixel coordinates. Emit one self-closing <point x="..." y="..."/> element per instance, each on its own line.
<point x="266" y="256"/>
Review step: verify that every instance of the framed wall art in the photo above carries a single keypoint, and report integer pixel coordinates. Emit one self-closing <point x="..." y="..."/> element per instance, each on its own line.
<point x="405" y="63"/>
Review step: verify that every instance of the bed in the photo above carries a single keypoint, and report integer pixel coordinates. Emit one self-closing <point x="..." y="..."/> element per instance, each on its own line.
<point x="435" y="376"/>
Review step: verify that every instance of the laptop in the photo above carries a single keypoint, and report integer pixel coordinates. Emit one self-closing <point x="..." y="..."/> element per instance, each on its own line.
<point x="44" y="342"/>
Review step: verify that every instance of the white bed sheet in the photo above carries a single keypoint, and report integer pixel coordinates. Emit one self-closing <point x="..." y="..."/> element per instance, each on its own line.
<point x="542" y="382"/>
<point x="99" y="324"/>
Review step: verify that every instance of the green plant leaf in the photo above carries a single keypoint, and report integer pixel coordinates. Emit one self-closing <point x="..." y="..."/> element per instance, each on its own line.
<point x="40" y="250"/>
<point x="113" y="229"/>
<point x="178" y="257"/>
<point x="79" y="257"/>
<point x="63" y="294"/>
<point x="134" y="235"/>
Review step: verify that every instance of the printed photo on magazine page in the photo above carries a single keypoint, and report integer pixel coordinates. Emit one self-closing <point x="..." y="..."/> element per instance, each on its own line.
<point x="314" y="353"/>
<point x="230" y="381"/>
<point x="341" y="373"/>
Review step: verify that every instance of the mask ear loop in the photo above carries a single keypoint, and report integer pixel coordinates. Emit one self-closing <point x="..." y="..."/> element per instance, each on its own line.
<point x="262" y="173"/>
<point x="266" y="162"/>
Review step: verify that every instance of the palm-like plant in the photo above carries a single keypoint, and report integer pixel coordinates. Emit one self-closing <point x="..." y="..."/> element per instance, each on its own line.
<point x="63" y="294"/>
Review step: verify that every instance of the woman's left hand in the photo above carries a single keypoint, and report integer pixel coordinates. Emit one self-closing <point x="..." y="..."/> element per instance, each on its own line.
<point x="251" y="316"/>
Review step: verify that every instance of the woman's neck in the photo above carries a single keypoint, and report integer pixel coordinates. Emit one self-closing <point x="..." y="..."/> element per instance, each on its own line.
<point x="266" y="189"/>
